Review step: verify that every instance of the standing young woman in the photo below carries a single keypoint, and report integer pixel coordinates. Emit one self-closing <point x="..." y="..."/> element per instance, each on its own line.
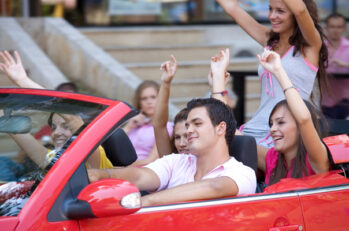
<point x="298" y="150"/>
<point x="297" y="37"/>
<point x="140" y="129"/>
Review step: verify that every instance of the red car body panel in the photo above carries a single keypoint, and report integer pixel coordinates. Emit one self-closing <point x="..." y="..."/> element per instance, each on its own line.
<point x="60" y="94"/>
<point x="234" y="214"/>
<point x="9" y="223"/>
<point x="326" y="210"/>
<point x="315" y="181"/>
<point x="256" y="212"/>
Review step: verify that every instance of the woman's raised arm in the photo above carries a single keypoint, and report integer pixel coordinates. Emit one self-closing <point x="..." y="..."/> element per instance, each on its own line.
<point x="315" y="148"/>
<point x="307" y="27"/>
<point x="160" y="119"/>
<point x="14" y="70"/>
<point x="32" y="147"/>
<point x="257" y="31"/>
<point x="219" y="66"/>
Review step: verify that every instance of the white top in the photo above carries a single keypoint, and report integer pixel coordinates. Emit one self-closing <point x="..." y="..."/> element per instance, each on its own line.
<point x="302" y="75"/>
<point x="177" y="169"/>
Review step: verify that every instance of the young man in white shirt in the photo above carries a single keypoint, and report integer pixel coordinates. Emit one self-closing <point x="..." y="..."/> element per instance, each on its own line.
<point x="208" y="172"/>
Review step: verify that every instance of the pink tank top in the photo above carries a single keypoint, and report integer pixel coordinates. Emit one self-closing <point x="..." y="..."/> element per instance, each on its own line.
<point x="271" y="162"/>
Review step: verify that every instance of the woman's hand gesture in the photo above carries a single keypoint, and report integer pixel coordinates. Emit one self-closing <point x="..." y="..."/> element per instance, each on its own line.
<point x="220" y="63"/>
<point x="218" y="75"/>
<point x="13" y="68"/>
<point x="271" y="61"/>
<point x="169" y="69"/>
<point x="136" y="121"/>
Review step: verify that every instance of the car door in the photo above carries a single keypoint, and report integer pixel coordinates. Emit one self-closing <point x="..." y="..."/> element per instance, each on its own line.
<point x="326" y="208"/>
<point x="256" y="212"/>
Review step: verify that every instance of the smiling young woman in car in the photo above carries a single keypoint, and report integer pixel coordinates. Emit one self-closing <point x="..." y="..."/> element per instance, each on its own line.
<point x="298" y="150"/>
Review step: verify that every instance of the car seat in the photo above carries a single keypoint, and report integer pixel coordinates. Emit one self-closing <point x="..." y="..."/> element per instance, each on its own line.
<point x="119" y="149"/>
<point x="244" y="149"/>
<point x="337" y="126"/>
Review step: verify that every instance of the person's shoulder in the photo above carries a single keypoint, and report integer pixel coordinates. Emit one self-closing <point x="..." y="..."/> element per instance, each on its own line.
<point x="234" y="164"/>
<point x="240" y="173"/>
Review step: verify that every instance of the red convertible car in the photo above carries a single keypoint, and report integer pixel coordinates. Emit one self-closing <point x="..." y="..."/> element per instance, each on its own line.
<point x="58" y="196"/>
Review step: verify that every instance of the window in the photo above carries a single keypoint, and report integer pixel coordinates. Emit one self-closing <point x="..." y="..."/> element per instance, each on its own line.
<point x="34" y="132"/>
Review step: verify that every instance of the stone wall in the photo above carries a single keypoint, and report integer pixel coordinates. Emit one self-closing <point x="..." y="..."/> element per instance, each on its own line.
<point x="40" y="68"/>
<point x="83" y="61"/>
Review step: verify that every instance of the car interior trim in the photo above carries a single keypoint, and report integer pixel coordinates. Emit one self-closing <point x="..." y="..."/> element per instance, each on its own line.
<point x="216" y="202"/>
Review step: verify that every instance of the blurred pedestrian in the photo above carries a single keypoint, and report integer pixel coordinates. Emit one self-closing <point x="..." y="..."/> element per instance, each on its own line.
<point x="335" y="103"/>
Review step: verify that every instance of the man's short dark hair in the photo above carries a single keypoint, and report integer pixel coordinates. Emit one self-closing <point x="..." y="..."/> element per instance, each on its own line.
<point x="334" y="15"/>
<point x="218" y="112"/>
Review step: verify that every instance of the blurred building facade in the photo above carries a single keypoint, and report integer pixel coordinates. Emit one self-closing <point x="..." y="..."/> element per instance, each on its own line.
<point x="146" y="12"/>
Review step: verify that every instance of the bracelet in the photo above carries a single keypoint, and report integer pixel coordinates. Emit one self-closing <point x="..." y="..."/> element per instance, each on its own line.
<point x="223" y="93"/>
<point x="288" y="88"/>
<point x="107" y="171"/>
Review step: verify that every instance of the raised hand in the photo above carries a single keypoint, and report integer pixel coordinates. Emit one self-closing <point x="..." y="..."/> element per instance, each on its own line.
<point x="228" y="5"/>
<point x="220" y="63"/>
<point x="136" y="122"/>
<point x="13" y="68"/>
<point x="271" y="61"/>
<point x="169" y="69"/>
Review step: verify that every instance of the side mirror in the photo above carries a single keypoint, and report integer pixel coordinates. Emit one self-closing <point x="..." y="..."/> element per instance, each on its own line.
<point x="105" y="198"/>
<point x="15" y="124"/>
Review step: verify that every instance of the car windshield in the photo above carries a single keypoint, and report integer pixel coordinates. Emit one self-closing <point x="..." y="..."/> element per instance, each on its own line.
<point x="34" y="132"/>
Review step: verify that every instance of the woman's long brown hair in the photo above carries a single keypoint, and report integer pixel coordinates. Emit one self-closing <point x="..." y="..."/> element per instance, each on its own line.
<point x="298" y="167"/>
<point x="299" y="42"/>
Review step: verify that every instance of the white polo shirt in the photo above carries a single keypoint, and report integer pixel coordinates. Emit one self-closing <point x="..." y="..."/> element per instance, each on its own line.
<point x="178" y="169"/>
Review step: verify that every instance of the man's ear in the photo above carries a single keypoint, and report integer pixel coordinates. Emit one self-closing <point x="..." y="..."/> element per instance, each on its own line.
<point x="221" y="128"/>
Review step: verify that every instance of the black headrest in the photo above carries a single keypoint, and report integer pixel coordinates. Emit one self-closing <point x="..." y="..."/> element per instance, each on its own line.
<point x="119" y="149"/>
<point x="337" y="126"/>
<point x="244" y="149"/>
